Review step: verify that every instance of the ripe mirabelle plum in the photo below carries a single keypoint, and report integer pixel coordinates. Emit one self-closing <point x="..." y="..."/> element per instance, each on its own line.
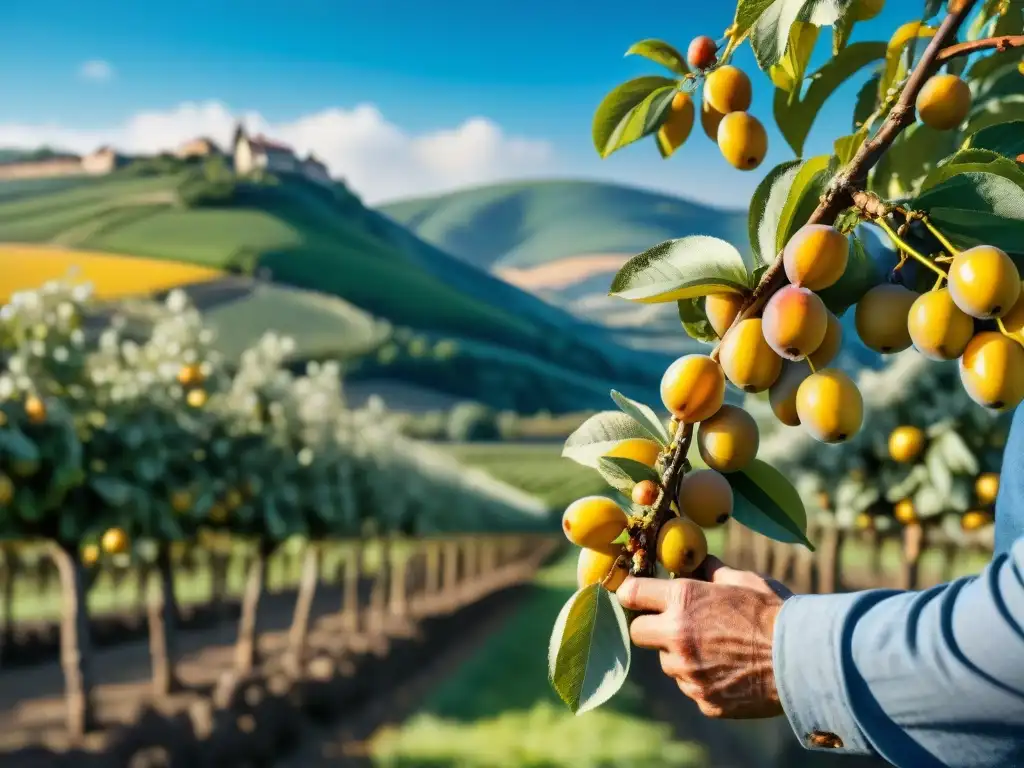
<point x="905" y="443"/>
<point x="865" y="10"/>
<point x="816" y="256"/>
<point x="743" y="140"/>
<point x="638" y="449"/>
<point x="944" y="102"/>
<point x="710" y="119"/>
<point x="992" y="371"/>
<point x="677" y="126"/>
<point x="196" y="398"/>
<point x="114" y="541"/>
<point x="705" y="497"/>
<point x="189" y="375"/>
<point x="682" y="546"/>
<point x="830" y="406"/>
<point x="975" y="519"/>
<point x="721" y="309"/>
<point x="728" y="89"/>
<point x="746" y="358"/>
<point x="593" y="567"/>
<point x="693" y="388"/>
<point x="90" y="554"/>
<point x="35" y="409"/>
<point x="984" y="282"/>
<point x="594" y="522"/>
<point x="702" y="53"/>
<point x="830" y="345"/>
<point x="794" y="322"/>
<point x="181" y="501"/>
<point x="728" y="441"/>
<point x="881" y="318"/>
<point x="1013" y="321"/>
<point x="645" y="493"/>
<point x="865" y="522"/>
<point x="938" y="328"/>
<point x="904" y="512"/>
<point x="782" y="395"/>
<point x="986" y="488"/>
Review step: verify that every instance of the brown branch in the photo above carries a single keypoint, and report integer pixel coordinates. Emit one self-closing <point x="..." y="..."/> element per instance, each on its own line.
<point x="648" y="540"/>
<point x="1001" y="44"/>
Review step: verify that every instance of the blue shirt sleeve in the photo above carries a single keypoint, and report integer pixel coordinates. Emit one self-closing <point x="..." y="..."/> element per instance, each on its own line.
<point x="922" y="679"/>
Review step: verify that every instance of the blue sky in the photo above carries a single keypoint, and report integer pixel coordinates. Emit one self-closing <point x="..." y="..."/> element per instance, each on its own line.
<point x="533" y="69"/>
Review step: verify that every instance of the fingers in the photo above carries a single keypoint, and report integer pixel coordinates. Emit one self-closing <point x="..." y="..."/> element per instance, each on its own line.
<point x="640" y="594"/>
<point x="649" y="631"/>
<point x="710" y="567"/>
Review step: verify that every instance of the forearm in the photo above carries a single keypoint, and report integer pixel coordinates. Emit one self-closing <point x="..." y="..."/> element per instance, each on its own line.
<point x="933" y="678"/>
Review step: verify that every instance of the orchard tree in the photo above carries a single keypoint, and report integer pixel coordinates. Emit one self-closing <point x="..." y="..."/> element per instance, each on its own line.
<point x="933" y="162"/>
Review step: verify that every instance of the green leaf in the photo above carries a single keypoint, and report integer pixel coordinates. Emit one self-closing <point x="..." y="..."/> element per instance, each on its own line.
<point x="765" y="209"/>
<point x="695" y="320"/>
<point x="589" y="653"/>
<point x="956" y="454"/>
<point x="788" y="74"/>
<point x="747" y="14"/>
<point x="115" y="492"/>
<point x="867" y="103"/>
<point x="842" y="30"/>
<point x="682" y="269"/>
<point x="18" y="446"/>
<point x="807" y="186"/>
<point x="766" y="502"/>
<point x="845" y="147"/>
<point x="622" y="474"/>
<point x="860" y="276"/>
<point x="977" y="208"/>
<point x="901" y="170"/>
<point x="1006" y="109"/>
<point x="1005" y="138"/>
<point x="599" y="434"/>
<point x="662" y="53"/>
<point x="644" y="416"/>
<point x="769" y="35"/>
<point x="895" y="64"/>
<point x="616" y="111"/>
<point x="796" y="116"/>
<point x="974" y="160"/>
<point x="622" y="538"/>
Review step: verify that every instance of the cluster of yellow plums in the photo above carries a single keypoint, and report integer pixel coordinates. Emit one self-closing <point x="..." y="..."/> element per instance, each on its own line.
<point x="727" y="96"/>
<point x="982" y="285"/>
<point x="113" y="542"/>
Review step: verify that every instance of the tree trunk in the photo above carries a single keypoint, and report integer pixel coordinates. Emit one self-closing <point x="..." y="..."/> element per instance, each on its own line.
<point x="10" y="575"/>
<point x="219" y="565"/>
<point x="913" y="538"/>
<point x="782" y="561"/>
<point x="379" y="590"/>
<point x="829" y="560"/>
<point x="432" y="575"/>
<point x="398" y="596"/>
<point x="246" y="651"/>
<point x="163" y="627"/>
<point x="450" y="587"/>
<point x="351" y="598"/>
<point x="471" y="570"/>
<point x="950" y="557"/>
<point x="75" y="646"/>
<point x="298" y="634"/>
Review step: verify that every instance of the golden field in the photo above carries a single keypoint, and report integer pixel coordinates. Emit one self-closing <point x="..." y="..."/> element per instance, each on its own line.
<point x="24" y="267"/>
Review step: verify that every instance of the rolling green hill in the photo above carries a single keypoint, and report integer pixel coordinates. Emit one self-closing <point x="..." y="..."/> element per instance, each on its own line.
<point x="324" y="240"/>
<point x="525" y="224"/>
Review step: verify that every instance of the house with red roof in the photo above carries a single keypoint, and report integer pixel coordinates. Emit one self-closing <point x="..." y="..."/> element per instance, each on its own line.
<point x="258" y="153"/>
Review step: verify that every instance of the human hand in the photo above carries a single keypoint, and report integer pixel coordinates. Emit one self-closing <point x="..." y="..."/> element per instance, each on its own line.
<point x="714" y="636"/>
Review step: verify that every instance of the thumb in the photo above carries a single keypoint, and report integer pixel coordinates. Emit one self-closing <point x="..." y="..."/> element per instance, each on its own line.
<point x="715" y="571"/>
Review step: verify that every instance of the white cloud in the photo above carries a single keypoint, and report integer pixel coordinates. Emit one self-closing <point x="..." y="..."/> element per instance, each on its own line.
<point x="377" y="158"/>
<point x="96" y="70"/>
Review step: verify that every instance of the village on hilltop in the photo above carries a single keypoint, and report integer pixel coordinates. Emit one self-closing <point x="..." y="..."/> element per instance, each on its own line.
<point x="248" y="154"/>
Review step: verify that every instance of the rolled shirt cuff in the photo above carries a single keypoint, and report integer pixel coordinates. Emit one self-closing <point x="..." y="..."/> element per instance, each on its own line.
<point x="807" y="655"/>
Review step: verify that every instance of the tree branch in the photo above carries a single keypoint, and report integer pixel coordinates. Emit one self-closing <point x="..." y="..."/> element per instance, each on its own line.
<point x="1001" y="44"/>
<point x="648" y="540"/>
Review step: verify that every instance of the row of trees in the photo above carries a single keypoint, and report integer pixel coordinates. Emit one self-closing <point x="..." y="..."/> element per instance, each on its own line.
<point x="115" y="432"/>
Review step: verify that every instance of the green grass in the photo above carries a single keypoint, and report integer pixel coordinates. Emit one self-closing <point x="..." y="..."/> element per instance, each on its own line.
<point x="498" y="709"/>
<point x="527" y="223"/>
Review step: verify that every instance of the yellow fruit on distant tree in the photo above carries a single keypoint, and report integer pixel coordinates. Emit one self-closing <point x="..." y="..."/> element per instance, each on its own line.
<point x="233" y="499"/>
<point x="702" y="53"/>
<point x="816" y="256"/>
<point x="196" y="398"/>
<point x="865" y="10"/>
<point x="904" y="512"/>
<point x="594" y="567"/>
<point x="943" y="102"/>
<point x="830" y="406"/>
<point x="645" y="493"/>
<point x="722" y="309"/>
<point x="782" y="394"/>
<point x="976" y="519"/>
<point x="35" y="409"/>
<point x="181" y="501"/>
<point x="742" y="140"/>
<point x="693" y="388"/>
<point x="992" y="371"/>
<point x="6" y="490"/>
<point x="218" y="513"/>
<point x="986" y="488"/>
<point x="906" y="443"/>
<point x="594" y="522"/>
<point x="865" y="522"/>
<point x="710" y="119"/>
<point x="638" y="449"/>
<point x="114" y="541"/>
<point x="189" y="375"/>
<point x="794" y="322"/>
<point x="830" y="345"/>
<point x="984" y="282"/>
<point x="90" y="554"/>
<point x="679" y="122"/>
<point x="746" y="358"/>
<point x="705" y="497"/>
<point x="728" y="89"/>
<point x="881" y="318"/>
<point x="682" y="546"/>
<point x="938" y="328"/>
<point x="728" y="441"/>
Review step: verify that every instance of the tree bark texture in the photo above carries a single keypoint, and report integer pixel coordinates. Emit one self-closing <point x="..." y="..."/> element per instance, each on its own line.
<point x="75" y="645"/>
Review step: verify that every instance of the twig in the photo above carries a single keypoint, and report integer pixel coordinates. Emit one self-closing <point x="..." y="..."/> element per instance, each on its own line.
<point x="663" y="511"/>
<point x="1003" y="43"/>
